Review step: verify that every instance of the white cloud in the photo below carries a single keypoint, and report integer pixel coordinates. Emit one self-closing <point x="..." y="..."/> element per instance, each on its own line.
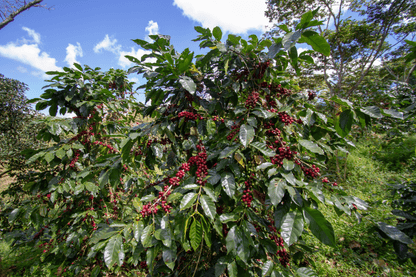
<point x="72" y="52"/>
<point x="134" y="79"/>
<point x="108" y="45"/>
<point x="300" y="50"/>
<point x="124" y="62"/>
<point x="236" y="16"/>
<point x="377" y="62"/>
<point x="22" y="69"/>
<point x="33" y="34"/>
<point x="67" y="115"/>
<point x="30" y="54"/>
<point x="152" y="29"/>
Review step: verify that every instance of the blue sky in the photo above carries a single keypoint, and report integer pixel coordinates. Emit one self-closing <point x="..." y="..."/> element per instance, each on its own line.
<point x="98" y="33"/>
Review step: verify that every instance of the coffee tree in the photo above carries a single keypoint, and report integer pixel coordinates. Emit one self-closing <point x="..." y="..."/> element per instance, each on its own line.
<point x="224" y="179"/>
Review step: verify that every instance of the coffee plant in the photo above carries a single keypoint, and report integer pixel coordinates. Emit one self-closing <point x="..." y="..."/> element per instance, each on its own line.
<point x="404" y="207"/>
<point x="224" y="179"/>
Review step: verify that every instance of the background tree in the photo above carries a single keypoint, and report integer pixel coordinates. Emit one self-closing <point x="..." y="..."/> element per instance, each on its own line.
<point x="9" y="9"/>
<point x="16" y="125"/>
<point x="356" y="44"/>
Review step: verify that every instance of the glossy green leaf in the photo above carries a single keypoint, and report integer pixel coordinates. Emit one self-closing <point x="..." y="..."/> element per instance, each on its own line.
<point x="394" y="233"/>
<point x="306" y="272"/>
<point x="319" y="226"/>
<point x="208" y="206"/>
<point x="188" y="200"/>
<point x="232" y="269"/>
<point x="230" y="240"/>
<point x="318" y="43"/>
<point x="169" y="257"/>
<point x="262" y="147"/>
<point x="267" y="268"/>
<point x="372" y="111"/>
<point x="292" y="227"/>
<point x="146" y="236"/>
<point x="217" y="33"/>
<point x="228" y="183"/>
<point x="114" y="252"/>
<point x="195" y="234"/>
<point x="288" y="165"/>
<point x="229" y="217"/>
<point x="138" y="228"/>
<point x="188" y="84"/>
<point x="311" y="146"/>
<point x="246" y="134"/>
<point x="276" y="191"/>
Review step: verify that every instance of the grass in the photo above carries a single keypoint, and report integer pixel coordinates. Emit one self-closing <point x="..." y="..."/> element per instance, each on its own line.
<point x="360" y="251"/>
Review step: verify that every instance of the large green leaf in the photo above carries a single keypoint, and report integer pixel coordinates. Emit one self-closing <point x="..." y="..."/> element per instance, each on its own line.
<point x="246" y="134"/>
<point x="273" y="50"/>
<point x="306" y="272"/>
<point x="169" y="257"/>
<point x="208" y="206"/>
<point x="344" y="123"/>
<point x="195" y="234"/>
<point x="217" y="33"/>
<point x="311" y="146"/>
<point x="228" y="183"/>
<point x="267" y="268"/>
<point x="138" y="227"/>
<point x="114" y="252"/>
<point x="232" y="269"/>
<point x="188" y="84"/>
<point x="230" y="240"/>
<point x="372" y="111"/>
<point x="188" y="200"/>
<point x="394" y="233"/>
<point x="319" y="226"/>
<point x="146" y="236"/>
<point x="242" y="245"/>
<point x="262" y="147"/>
<point x="292" y="227"/>
<point x="317" y="42"/>
<point x="276" y="191"/>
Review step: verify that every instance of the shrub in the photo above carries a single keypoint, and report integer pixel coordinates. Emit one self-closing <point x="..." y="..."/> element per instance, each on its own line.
<point x="224" y="179"/>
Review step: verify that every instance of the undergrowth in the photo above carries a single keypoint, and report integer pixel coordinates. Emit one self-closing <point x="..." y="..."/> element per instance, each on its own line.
<point x="360" y="251"/>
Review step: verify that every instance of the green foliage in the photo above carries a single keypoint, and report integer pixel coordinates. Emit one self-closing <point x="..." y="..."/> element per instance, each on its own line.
<point x="225" y="178"/>
<point x="17" y="126"/>
<point x="360" y="250"/>
<point x="402" y="235"/>
<point x="398" y="153"/>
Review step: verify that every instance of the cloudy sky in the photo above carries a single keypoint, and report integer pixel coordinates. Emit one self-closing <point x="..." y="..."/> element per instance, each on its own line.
<point x="98" y="33"/>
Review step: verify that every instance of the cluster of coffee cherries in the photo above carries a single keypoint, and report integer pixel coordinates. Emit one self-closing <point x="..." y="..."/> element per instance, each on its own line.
<point x="252" y="100"/>
<point x="152" y="208"/>
<point x="112" y="85"/>
<point x="83" y="137"/>
<point x="110" y="148"/>
<point x="312" y="172"/>
<point x="75" y="159"/>
<point x="284" y="153"/>
<point x="234" y="130"/>
<point x="189" y="115"/>
<point x="271" y="131"/>
<point x="247" y="194"/>
<point x="285" y="118"/>
<point x="200" y="161"/>
<point x="217" y="118"/>
<point x="311" y="95"/>
<point x="261" y="69"/>
<point x="272" y="103"/>
<point x="275" y="236"/>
